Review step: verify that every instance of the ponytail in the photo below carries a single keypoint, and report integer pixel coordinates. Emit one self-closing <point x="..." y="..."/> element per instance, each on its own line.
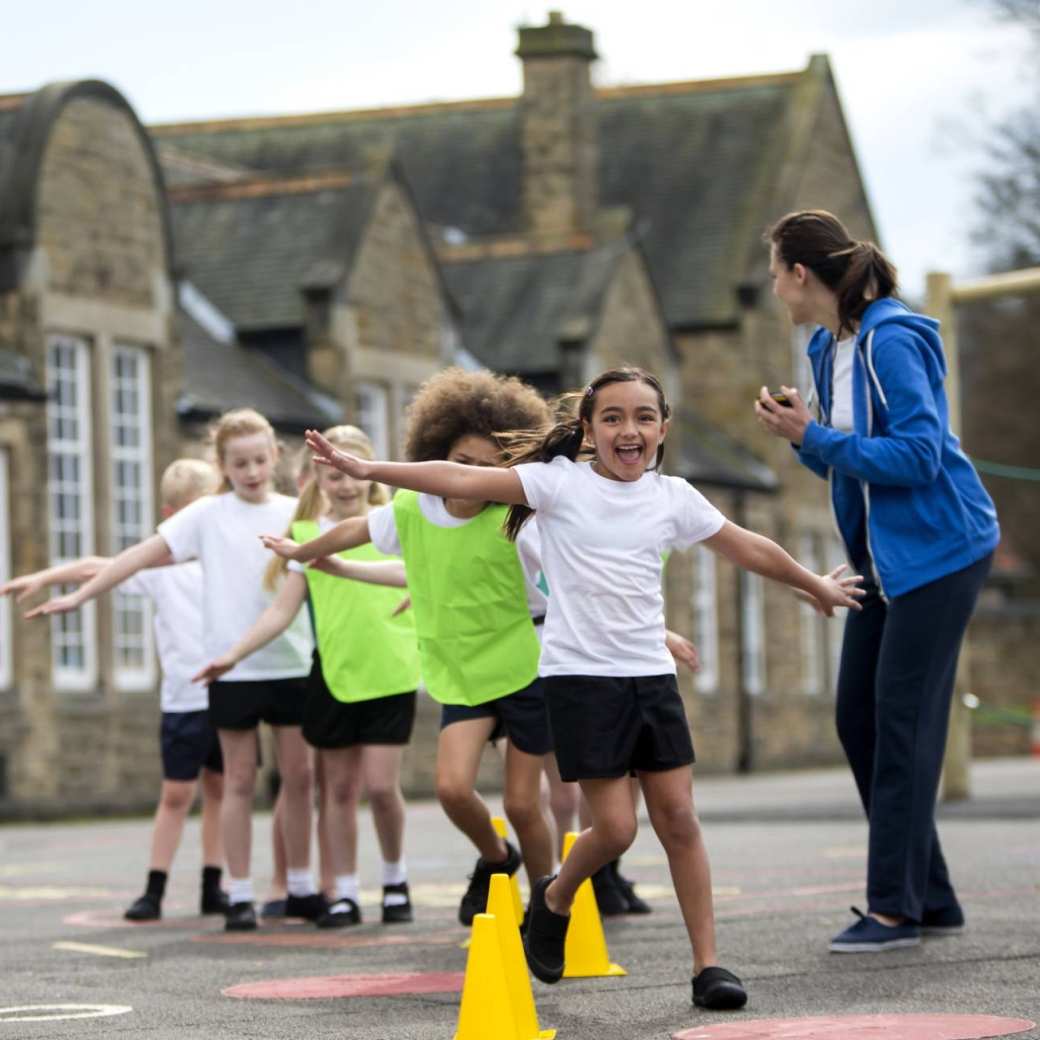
<point x="308" y="507"/>
<point x="858" y="273"/>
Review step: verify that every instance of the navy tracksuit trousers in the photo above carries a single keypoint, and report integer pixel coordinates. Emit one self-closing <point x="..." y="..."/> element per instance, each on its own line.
<point x="895" y="683"/>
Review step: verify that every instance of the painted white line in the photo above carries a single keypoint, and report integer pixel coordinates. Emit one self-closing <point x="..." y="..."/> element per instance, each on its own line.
<point x="101" y="951"/>
<point x="61" y="1012"/>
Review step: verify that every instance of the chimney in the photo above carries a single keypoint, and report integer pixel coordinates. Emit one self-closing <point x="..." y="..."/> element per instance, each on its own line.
<point x="559" y="130"/>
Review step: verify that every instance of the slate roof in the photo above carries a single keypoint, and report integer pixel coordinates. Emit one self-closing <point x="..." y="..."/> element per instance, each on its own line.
<point x="516" y="310"/>
<point x="709" y="456"/>
<point x="219" y="376"/>
<point x="685" y="158"/>
<point x="251" y="245"/>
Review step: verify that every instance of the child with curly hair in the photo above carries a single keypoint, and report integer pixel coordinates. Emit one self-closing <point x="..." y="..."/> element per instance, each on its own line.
<point x="475" y="615"/>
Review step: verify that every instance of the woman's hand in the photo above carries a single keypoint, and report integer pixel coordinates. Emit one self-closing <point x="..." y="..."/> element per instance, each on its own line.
<point x="787" y="421"/>
<point x="284" y="547"/>
<point x="838" y="590"/>
<point x="22" y="588"/>
<point x="58" y="605"/>
<point x="214" y="670"/>
<point x="326" y="455"/>
<point x="682" y="650"/>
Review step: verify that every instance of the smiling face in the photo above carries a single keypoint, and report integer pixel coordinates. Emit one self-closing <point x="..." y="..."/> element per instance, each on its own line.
<point x="346" y="497"/>
<point x="790" y="287"/>
<point x="248" y="464"/>
<point x="626" y="429"/>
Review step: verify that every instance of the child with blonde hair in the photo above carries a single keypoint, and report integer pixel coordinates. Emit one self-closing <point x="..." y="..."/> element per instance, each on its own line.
<point x="188" y="742"/>
<point x="360" y="705"/>
<point x="220" y="531"/>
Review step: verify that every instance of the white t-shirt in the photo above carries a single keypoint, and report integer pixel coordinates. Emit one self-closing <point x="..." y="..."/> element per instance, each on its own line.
<point x="602" y="544"/>
<point x="841" y="386"/>
<point x="382" y="528"/>
<point x="176" y="595"/>
<point x="222" y="533"/>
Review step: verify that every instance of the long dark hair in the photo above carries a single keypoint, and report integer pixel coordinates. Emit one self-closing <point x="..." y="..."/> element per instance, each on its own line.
<point x="567" y="436"/>
<point x="856" y="272"/>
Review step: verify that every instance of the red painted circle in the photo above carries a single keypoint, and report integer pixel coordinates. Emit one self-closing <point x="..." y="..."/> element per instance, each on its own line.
<point x="324" y="986"/>
<point x="862" y="1027"/>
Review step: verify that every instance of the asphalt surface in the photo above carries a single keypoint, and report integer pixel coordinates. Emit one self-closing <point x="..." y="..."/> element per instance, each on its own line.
<point x="788" y="856"/>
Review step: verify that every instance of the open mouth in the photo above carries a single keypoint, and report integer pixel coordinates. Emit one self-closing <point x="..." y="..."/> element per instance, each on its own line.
<point x="629" y="453"/>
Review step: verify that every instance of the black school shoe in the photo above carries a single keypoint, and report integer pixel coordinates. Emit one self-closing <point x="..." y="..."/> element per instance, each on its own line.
<point x="717" y="989"/>
<point x="213" y="901"/>
<point x="634" y="904"/>
<point x="240" y="917"/>
<point x="610" y="899"/>
<point x="340" y="914"/>
<point x="398" y="911"/>
<point x="545" y="935"/>
<point x="475" y="900"/>
<point x="310" y="908"/>
<point x="145" y="908"/>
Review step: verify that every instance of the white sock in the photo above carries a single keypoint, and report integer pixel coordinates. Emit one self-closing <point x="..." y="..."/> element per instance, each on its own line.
<point x="240" y="890"/>
<point x="347" y="887"/>
<point x="395" y="873"/>
<point x="299" y="882"/>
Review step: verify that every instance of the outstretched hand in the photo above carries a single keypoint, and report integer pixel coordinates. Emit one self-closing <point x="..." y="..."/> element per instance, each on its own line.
<point x="682" y="650"/>
<point x="284" y="547"/>
<point x="214" y="670"/>
<point x="58" y="605"/>
<point x="22" y="588"/>
<point x="841" y="590"/>
<point x="327" y="455"/>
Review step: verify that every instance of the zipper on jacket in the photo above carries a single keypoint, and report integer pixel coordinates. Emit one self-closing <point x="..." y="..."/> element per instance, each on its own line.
<point x="865" y="485"/>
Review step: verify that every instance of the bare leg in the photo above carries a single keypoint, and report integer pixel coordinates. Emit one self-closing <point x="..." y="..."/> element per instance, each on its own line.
<point x="212" y="785"/>
<point x="613" y="830"/>
<point x="669" y="800"/>
<point x="175" y="800"/>
<point x="236" y="812"/>
<point x="279" y="882"/>
<point x="459" y="749"/>
<point x="523" y="808"/>
<point x="381" y="769"/>
<point x="328" y="874"/>
<point x="342" y="771"/>
<point x="294" y="764"/>
<point x="564" y="799"/>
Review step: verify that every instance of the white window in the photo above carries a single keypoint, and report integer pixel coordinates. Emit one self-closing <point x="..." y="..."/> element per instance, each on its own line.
<point x="753" y="632"/>
<point x="706" y="619"/>
<point x="70" y="492"/>
<point x="130" y="447"/>
<point x="835" y="551"/>
<point x="373" y="416"/>
<point x="6" y="646"/>
<point x="801" y="371"/>
<point x="810" y="621"/>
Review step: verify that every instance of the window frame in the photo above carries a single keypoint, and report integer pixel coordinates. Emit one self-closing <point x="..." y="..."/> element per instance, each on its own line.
<point x="82" y="678"/>
<point x="372" y="406"/>
<point x="810" y="623"/>
<point x="752" y="633"/>
<point x="704" y="598"/>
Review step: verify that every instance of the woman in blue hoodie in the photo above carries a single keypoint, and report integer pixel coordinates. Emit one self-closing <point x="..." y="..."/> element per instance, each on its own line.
<point x="917" y="522"/>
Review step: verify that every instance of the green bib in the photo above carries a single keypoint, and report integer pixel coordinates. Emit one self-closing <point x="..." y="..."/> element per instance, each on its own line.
<point x="476" y="639"/>
<point x="365" y="652"/>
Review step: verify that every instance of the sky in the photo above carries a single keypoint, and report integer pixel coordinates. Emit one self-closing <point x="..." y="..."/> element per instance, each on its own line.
<point x="919" y="79"/>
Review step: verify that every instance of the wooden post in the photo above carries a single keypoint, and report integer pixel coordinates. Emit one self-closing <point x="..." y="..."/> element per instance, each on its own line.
<point x="956" y="781"/>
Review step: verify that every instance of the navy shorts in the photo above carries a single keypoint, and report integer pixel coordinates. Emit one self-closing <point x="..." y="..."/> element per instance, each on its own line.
<point x="329" y="723"/>
<point x="245" y="704"/>
<point x="518" y="716"/>
<point x="189" y="744"/>
<point x="604" y="727"/>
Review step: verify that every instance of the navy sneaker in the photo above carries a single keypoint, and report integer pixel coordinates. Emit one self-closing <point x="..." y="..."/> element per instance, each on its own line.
<point x="947" y="921"/>
<point x="273" y="908"/>
<point x="717" y="989"/>
<point x="475" y="899"/>
<point x="868" y="935"/>
<point x="545" y="935"/>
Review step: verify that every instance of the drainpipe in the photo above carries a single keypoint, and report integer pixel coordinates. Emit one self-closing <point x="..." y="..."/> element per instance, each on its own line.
<point x="745" y="718"/>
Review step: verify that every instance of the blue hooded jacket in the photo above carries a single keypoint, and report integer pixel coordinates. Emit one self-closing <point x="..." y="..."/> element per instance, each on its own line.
<point x="901" y="477"/>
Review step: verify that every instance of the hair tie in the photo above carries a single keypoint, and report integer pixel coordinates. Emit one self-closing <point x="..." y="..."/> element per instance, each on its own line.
<point x="589" y="390"/>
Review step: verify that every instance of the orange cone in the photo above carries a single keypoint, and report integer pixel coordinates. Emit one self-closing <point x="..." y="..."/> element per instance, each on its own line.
<point x="585" y="953"/>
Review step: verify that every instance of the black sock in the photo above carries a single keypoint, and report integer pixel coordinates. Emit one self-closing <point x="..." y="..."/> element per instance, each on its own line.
<point x="211" y="879"/>
<point x="156" y="883"/>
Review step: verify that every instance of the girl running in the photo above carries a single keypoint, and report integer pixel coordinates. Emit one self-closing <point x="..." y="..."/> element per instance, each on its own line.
<point x="361" y="692"/>
<point x="473" y="616"/>
<point x="610" y="684"/>
<point x="221" y="532"/>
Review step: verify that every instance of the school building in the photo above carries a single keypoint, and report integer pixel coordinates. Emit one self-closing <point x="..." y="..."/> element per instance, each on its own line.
<point x="319" y="267"/>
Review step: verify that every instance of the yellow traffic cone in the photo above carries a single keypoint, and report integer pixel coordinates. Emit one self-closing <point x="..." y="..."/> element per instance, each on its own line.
<point x="518" y="904"/>
<point x="585" y="953"/>
<point x="488" y="1011"/>
<point x="500" y="906"/>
